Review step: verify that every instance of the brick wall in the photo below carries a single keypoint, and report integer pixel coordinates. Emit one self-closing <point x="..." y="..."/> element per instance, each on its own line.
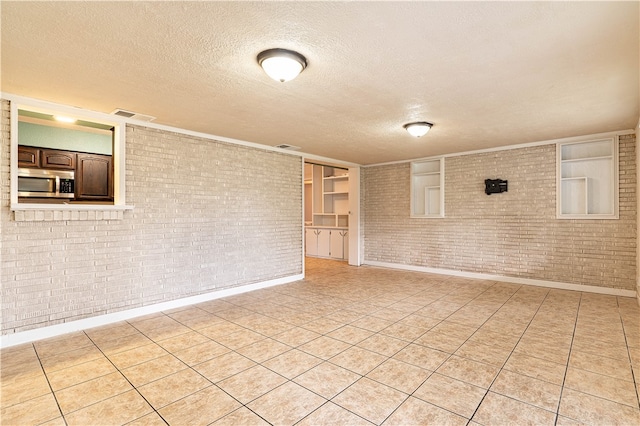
<point x="208" y="216"/>
<point x="510" y="234"/>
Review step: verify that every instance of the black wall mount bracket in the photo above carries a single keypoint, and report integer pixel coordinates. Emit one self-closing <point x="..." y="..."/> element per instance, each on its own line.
<point x="495" y="186"/>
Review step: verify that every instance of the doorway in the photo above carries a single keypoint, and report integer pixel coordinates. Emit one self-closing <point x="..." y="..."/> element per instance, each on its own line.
<point x="331" y="212"/>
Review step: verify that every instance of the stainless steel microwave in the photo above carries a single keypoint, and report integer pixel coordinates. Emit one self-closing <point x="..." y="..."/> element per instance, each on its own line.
<point x="44" y="183"/>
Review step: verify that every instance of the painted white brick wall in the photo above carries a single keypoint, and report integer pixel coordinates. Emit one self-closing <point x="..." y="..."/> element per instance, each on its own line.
<point x="510" y="234"/>
<point x="208" y="216"/>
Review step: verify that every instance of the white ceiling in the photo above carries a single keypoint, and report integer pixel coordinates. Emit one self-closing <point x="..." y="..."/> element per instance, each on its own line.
<point x="488" y="74"/>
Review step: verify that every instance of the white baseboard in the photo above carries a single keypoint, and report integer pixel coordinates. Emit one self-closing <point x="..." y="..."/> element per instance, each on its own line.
<point x="8" y="340"/>
<point x="515" y="280"/>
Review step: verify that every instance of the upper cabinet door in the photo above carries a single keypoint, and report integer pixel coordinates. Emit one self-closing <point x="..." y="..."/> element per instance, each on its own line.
<point x="54" y="159"/>
<point x="28" y="156"/>
<point x="94" y="177"/>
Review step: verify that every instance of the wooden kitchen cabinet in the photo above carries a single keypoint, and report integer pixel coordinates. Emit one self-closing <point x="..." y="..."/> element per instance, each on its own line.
<point x="94" y="177"/>
<point x="56" y="159"/>
<point x="28" y="156"/>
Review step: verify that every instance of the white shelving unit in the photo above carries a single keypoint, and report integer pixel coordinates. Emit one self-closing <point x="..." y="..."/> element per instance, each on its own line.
<point x="588" y="180"/>
<point x="427" y="188"/>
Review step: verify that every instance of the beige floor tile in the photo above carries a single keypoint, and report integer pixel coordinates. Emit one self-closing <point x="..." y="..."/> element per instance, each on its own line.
<point x="612" y="367"/>
<point x="403" y="331"/>
<point x="565" y="421"/>
<point x="543" y="351"/>
<point x="358" y="360"/>
<point x="157" y="321"/>
<point x="588" y="409"/>
<point x="19" y="362"/>
<point x="606" y="387"/>
<point x="330" y="414"/>
<point x="120" y="409"/>
<point x="399" y="375"/>
<point x="23" y="388"/>
<point x="505" y="341"/>
<point x="151" y="419"/>
<point x="296" y="336"/>
<point x="599" y="348"/>
<point x="269" y="326"/>
<point x="324" y="347"/>
<point x="58" y="421"/>
<point x="469" y="371"/>
<point x="357" y="399"/>
<point x="489" y="354"/>
<point x="527" y="389"/>
<point x="201" y="352"/>
<point x="286" y="405"/>
<point x="439" y="309"/>
<point x="71" y="358"/>
<point x="323" y="325"/>
<point x="61" y="344"/>
<point x="224" y="366"/>
<point x="200" y="408"/>
<point x="451" y="394"/>
<point x="292" y="363"/>
<point x="99" y="335"/>
<point x="242" y="416"/>
<point x="454" y="329"/>
<point x="442" y="342"/>
<point x="350" y="334"/>
<point x="536" y="367"/>
<point x="220" y="329"/>
<point x="251" y="384"/>
<point x="124" y="343"/>
<point x="389" y="314"/>
<point x="500" y="410"/>
<point x="239" y="339"/>
<point x="137" y="356"/>
<point x="373" y="324"/>
<point x="384" y="345"/>
<point x="31" y="412"/>
<point x="417" y="412"/>
<point x="263" y="350"/>
<point x="80" y="373"/>
<point x="183" y="341"/>
<point x="163" y="333"/>
<point x="422" y="356"/>
<point x="87" y="393"/>
<point x="327" y="379"/>
<point x="171" y="388"/>
<point x="419" y="321"/>
<point x="155" y="369"/>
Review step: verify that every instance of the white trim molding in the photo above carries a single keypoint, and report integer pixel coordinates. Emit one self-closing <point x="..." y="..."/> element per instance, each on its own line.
<point x="28" y="336"/>
<point x="501" y="278"/>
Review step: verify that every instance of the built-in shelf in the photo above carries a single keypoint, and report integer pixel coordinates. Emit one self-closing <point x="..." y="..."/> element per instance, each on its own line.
<point x="427" y="188"/>
<point x="588" y="180"/>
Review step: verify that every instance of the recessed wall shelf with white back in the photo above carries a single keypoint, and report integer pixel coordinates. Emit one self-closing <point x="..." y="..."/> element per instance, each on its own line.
<point x="427" y="188"/>
<point x="587" y="180"/>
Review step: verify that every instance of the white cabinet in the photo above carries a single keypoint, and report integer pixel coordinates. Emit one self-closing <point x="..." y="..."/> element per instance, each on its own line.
<point x="311" y="241"/>
<point x="588" y="180"/>
<point x="327" y="242"/>
<point x="427" y="188"/>
<point x="339" y="244"/>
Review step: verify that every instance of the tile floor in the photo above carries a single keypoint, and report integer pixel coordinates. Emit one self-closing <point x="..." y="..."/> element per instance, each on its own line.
<point x="348" y="345"/>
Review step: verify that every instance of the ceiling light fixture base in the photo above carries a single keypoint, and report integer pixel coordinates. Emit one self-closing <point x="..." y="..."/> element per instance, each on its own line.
<point x="282" y="64"/>
<point x="418" y="128"/>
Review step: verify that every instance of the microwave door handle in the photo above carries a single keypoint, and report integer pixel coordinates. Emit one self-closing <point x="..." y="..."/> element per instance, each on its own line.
<point x="57" y="189"/>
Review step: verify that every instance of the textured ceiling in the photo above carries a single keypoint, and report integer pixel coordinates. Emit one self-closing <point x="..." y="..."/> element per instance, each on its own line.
<point x="487" y="74"/>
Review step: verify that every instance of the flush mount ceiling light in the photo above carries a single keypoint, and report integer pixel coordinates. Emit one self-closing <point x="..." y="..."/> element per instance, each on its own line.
<point x="419" y="128"/>
<point x="281" y="64"/>
<point x="64" y="119"/>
